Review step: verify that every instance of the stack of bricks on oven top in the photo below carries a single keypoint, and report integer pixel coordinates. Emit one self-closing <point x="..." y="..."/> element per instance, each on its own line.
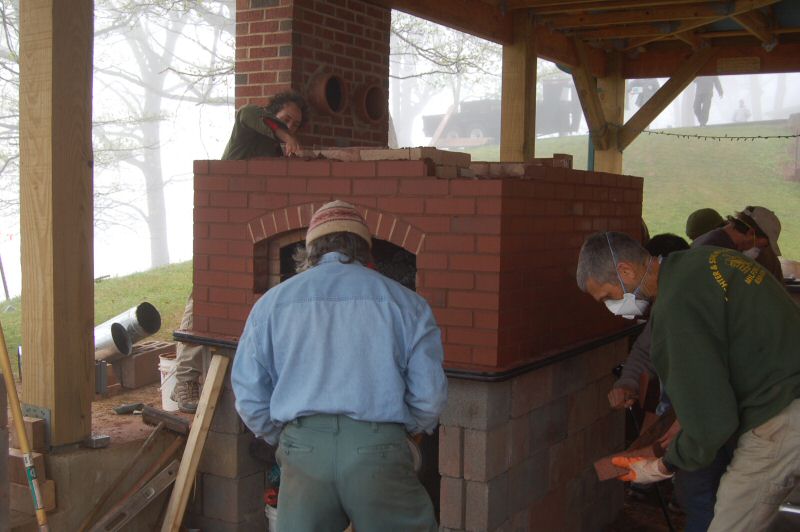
<point x="444" y="164"/>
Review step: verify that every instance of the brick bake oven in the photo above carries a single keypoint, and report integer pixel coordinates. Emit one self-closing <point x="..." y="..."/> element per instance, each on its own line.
<point x="491" y="246"/>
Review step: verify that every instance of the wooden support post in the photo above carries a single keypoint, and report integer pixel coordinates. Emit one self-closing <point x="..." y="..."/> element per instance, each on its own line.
<point x="518" y="115"/>
<point x="56" y="40"/>
<point x="611" y="92"/>
<point x="586" y="86"/>
<point x="663" y="97"/>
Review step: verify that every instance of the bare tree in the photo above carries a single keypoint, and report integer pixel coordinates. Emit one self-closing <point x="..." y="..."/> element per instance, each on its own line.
<point x="9" y="107"/>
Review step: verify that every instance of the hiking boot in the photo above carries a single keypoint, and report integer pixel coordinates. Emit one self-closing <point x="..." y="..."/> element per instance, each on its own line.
<point x="187" y="395"/>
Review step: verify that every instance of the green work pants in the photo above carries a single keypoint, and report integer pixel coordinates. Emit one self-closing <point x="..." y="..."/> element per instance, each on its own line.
<point x="336" y="470"/>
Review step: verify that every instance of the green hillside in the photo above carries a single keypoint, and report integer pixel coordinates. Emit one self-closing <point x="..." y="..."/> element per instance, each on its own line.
<point x="166" y="288"/>
<point x="682" y="175"/>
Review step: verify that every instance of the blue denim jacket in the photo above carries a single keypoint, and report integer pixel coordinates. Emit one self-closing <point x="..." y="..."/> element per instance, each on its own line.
<point x="339" y="339"/>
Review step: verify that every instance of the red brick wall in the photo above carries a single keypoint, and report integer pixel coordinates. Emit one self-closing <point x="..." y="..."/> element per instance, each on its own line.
<point x="282" y="44"/>
<point x="495" y="257"/>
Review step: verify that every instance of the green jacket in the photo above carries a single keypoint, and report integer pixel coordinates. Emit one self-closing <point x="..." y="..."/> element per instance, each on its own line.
<point x="726" y="344"/>
<point x="251" y="137"/>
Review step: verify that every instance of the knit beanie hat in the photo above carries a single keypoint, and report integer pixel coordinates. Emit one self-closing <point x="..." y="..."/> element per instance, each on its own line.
<point x="702" y="221"/>
<point x="335" y="217"/>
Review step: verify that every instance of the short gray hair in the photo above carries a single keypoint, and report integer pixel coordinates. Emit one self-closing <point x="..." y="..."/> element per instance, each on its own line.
<point x="597" y="262"/>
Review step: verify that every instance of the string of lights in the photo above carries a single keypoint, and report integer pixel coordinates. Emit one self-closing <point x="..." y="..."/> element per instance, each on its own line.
<point x="732" y="138"/>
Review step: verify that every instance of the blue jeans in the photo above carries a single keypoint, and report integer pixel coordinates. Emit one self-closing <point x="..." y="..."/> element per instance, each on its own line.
<point x="697" y="490"/>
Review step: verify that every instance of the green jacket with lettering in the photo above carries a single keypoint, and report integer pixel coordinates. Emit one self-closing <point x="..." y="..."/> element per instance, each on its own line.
<point x="251" y="137"/>
<point x="726" y="344"/>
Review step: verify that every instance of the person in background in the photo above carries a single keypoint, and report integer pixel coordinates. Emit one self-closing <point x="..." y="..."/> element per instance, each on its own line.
<point x="714" y="308"/>
<point x="336" y="365"/>
<point x="257" y="132"/>
<point x="704" y="92"/>
<point x="754" y="231"/>
<point x="702" y="221"/>
<point x="742" y="113"/>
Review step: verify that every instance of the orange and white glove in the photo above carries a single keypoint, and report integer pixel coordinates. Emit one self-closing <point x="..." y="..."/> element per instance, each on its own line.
<point x="642" y="470"/>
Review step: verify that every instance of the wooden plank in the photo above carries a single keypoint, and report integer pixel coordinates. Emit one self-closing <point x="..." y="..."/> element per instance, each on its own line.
<point x="663" y="97"/>
<point x="644" y="31"/>
<point x="56" y="40"/>
<point x="738" y="7"/>
<point x="548" y="7"/>
<point x="611" y="92"/>
<point x="757" y="24"/>
<point x="636" y="16"/>
<point x="19" y="497"/>
<point x="518" y="113"/>
<point x="470" y="16"/>
<point x="194" y="444"/>
<point x="586" y="86"/>
<point x="556" y="47"/>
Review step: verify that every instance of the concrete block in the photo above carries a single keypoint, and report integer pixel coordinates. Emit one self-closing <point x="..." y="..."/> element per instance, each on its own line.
<point x="587" y="405"/>
<point x="16" y="466"/>
<point x="550" y="513"/>
<point x="253" y="522"/>
<point x="20" y="499"/>
<point x="446" y="172"/>
<point x="476" y="405"/>
<point x="486" y="453"/>
<point x="451" y="502"/>
<point x="228" y="455"/>
<point x="385" y="154"/>
<point x="519" y="522"/>
<point x="141" y="367"/>
<point x="548" y="424"/>
<point x="226" y="419"/>
<point x="231" y="499"/>
<point x="531" y="390"/>
<point x="571" y="375"/>
<point x="487" y="504"/>
<point x="36" y="430"/>
<point x="566" y="459"/>
<point x="519" y="439"/>
<point x="528" y="482"/>
<point x="451" y="451"/>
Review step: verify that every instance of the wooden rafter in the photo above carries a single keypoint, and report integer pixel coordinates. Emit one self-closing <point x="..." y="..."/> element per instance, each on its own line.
<point x="691" y="38"/>
<point x="636" y="16"/>
<point x="556" y="47"/>
<point x="548" y="7"/>
<point x="738" y="7"/>
<point x="663" y="97"/>
<point x="586" y="86"/>
<point x="757" y="24"/>
<point x="657" y="30"/>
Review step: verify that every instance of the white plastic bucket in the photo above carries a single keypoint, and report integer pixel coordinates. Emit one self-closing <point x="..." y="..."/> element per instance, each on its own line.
<point x="272" y="518"/>
<point x="167" y="365"/>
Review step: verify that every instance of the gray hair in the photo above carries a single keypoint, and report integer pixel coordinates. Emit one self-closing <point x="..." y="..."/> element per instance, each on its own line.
<point x="352" y="246"/>
<point x="597" y="261"/>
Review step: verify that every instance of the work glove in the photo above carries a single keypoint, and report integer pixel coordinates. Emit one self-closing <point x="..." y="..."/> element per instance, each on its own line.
<point x="642" y="470"/>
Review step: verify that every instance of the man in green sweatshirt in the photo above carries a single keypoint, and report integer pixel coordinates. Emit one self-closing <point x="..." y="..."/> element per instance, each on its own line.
<point x="726" y="344"/>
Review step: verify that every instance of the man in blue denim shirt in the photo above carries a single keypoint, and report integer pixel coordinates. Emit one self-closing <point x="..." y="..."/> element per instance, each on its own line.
<point x="337" y="365"/>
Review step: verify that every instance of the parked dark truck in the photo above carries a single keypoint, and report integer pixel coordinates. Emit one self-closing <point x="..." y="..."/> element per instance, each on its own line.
<point x="559" y="111"/>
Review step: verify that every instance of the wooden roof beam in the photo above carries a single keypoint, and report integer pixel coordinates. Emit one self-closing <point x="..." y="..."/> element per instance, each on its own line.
<point x="636" y="16"/>
<point x="586" y="86"/>
<point x="692" y="39"/>
<point x="663" y="97"/>
<point x="554" y="46"/>
<point x="739" y="7"/>
<point x="646" y="31"/>
<point x="470" y="16"/>
<point x="548" y="7"/>
<point x="757" y="24"/>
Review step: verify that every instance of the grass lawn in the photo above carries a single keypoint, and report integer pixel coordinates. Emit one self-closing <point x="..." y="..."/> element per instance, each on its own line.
<point x="682" y="175"/>
<point x="166" y="288"/>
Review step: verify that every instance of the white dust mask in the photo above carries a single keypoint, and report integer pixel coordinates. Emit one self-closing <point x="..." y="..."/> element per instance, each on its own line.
<point x="628" y="307"/>
<point x="752" y="253"/>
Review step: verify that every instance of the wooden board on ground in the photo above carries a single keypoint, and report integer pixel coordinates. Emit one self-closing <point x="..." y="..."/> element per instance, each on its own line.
<point x="194" y="445"/>
<point x="646" y="445"/>
<point x="35" y="428"/>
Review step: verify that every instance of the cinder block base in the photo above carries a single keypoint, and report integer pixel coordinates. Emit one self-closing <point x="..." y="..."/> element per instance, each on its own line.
<point x="517" y="459"/>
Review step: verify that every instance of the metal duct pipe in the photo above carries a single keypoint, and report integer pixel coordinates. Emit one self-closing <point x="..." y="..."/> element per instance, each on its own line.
<point x="115" y="337"/>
